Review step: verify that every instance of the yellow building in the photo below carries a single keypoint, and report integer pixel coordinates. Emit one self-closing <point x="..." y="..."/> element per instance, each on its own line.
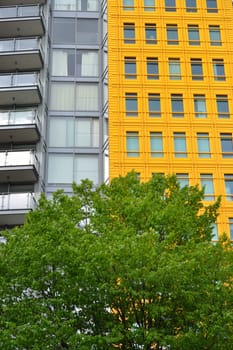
<point x="171" y="93"/>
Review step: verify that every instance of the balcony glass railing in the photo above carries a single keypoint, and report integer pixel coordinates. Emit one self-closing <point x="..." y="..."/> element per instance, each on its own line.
<point x="20" y="11"/>
<point x="19" y="80"/>
<point x="18" y="158"/>
<point x="17" y="201"/>
<point x="20" y="117"/>
<point x="20" y="45"/>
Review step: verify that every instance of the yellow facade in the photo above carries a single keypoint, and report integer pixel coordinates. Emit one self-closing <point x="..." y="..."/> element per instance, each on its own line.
<point x="189" y="68"/>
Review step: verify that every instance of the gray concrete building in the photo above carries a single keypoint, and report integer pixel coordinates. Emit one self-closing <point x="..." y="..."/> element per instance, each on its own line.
<point x="53" y="100"/>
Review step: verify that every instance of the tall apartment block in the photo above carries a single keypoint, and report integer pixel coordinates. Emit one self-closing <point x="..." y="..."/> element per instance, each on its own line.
<point x="53" y="99"/>
<point x="171" y="95"/>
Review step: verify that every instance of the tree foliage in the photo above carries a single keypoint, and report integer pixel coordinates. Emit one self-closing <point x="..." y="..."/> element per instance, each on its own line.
<point x="128" y="265"/>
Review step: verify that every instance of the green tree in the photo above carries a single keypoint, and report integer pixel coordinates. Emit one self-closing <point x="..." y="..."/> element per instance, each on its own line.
<point x="129" y="265"/>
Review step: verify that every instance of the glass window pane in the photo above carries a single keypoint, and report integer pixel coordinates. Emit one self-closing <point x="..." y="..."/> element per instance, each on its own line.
<point x="149" y="5"/>
<point x="61" y="36"/>
<point x="152" y="68"/>
<point x="128" y="5"/>
<point x="222" y="106"/>
<point x="172" y="35"/>
<point x="154" y="105"/>
<point x="203" y="145"/>
<point x="132" y="144"/>
<point x="215" y="36"/>
<point x="87" y="97"/>
<point x="63" y="63"/>
<point x="61" y="132"/>
<point x="86" y="132"/>
<point x="87" y="31"/>
<point x="170" y="5"/>
<point x="65" y="5"/>
<point x="227" y="145"/>
<point x="62" y="96"/>
<point x="131" y="104"/>
<point x="60" y="169"/>
<point x="200" y="106"/>
<point x="191" y="6"/>
<point x="207" y="183"/>
<point x="174" y="69"/>
<point x="87" y="64"/>
<point x="229" y="186"/>
<point x="183" y="179"/>
<point x="231" y="228"/>
<point x="156" y="144"/>
<point x="150" y="33"/>
<point x="177" y="106"/>
<point x="180" y="145"/>
<point x="86" y="167"/>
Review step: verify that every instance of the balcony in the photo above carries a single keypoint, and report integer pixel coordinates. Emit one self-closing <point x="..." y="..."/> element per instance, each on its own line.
<point x="18" y="166"/>
<point x="21" y="55"/>
<point x="14" y="207"/>
<point x="19" y="126"/>
<point x="19" y="21"/>
<point x="20" y="89"/>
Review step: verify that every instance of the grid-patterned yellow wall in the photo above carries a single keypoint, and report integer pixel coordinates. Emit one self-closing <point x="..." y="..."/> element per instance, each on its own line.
<point x="119" y="123"/>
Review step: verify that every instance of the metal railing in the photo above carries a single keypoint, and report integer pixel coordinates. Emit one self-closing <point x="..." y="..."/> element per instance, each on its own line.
<point x="27" y="44"/>
<point x="20" y="11"/>
<point x="19" y="80"/>
<point x="17" y="201"/>
<point x="20" y="117"/>
<point x="18" y="158"/>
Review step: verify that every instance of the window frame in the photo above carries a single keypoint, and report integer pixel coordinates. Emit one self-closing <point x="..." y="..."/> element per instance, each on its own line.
<point x="222" y="99"/>
<point x="180" y="151"/>
<point x="153" y="97"/>
<point x="129" y="28"/>
<point x="183" y="179"/>
<point x="230" y="221"/>
<point x="130" y="68"/>
<point x="194" y="29"/>
<point x="156" y="144"/>
<point x="213" y="29"/>
<point x="218" y="69"/>
<point x="152" y="63"/>
<point x="170" y="5"/>
<point x="127" y="7"/>
<point x="149" y="8"/>
<point x="150" y="34"/>
<point x="207" y="181"/>
<point x="196" y="65"/>
<point x="206" y="153"/>
<point x="226" y="145"/>
<point x="228" y="180"/>
<point x="191" y="8"/>
<point x="174" y="64"/>
<point x="172" y="29"/>
<point x="210" y="8"/>
<point x="200" y="103"/>
<point x="133" y="97"/>
<point x="134" y="152"/>
<point x="177" y="106"/>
